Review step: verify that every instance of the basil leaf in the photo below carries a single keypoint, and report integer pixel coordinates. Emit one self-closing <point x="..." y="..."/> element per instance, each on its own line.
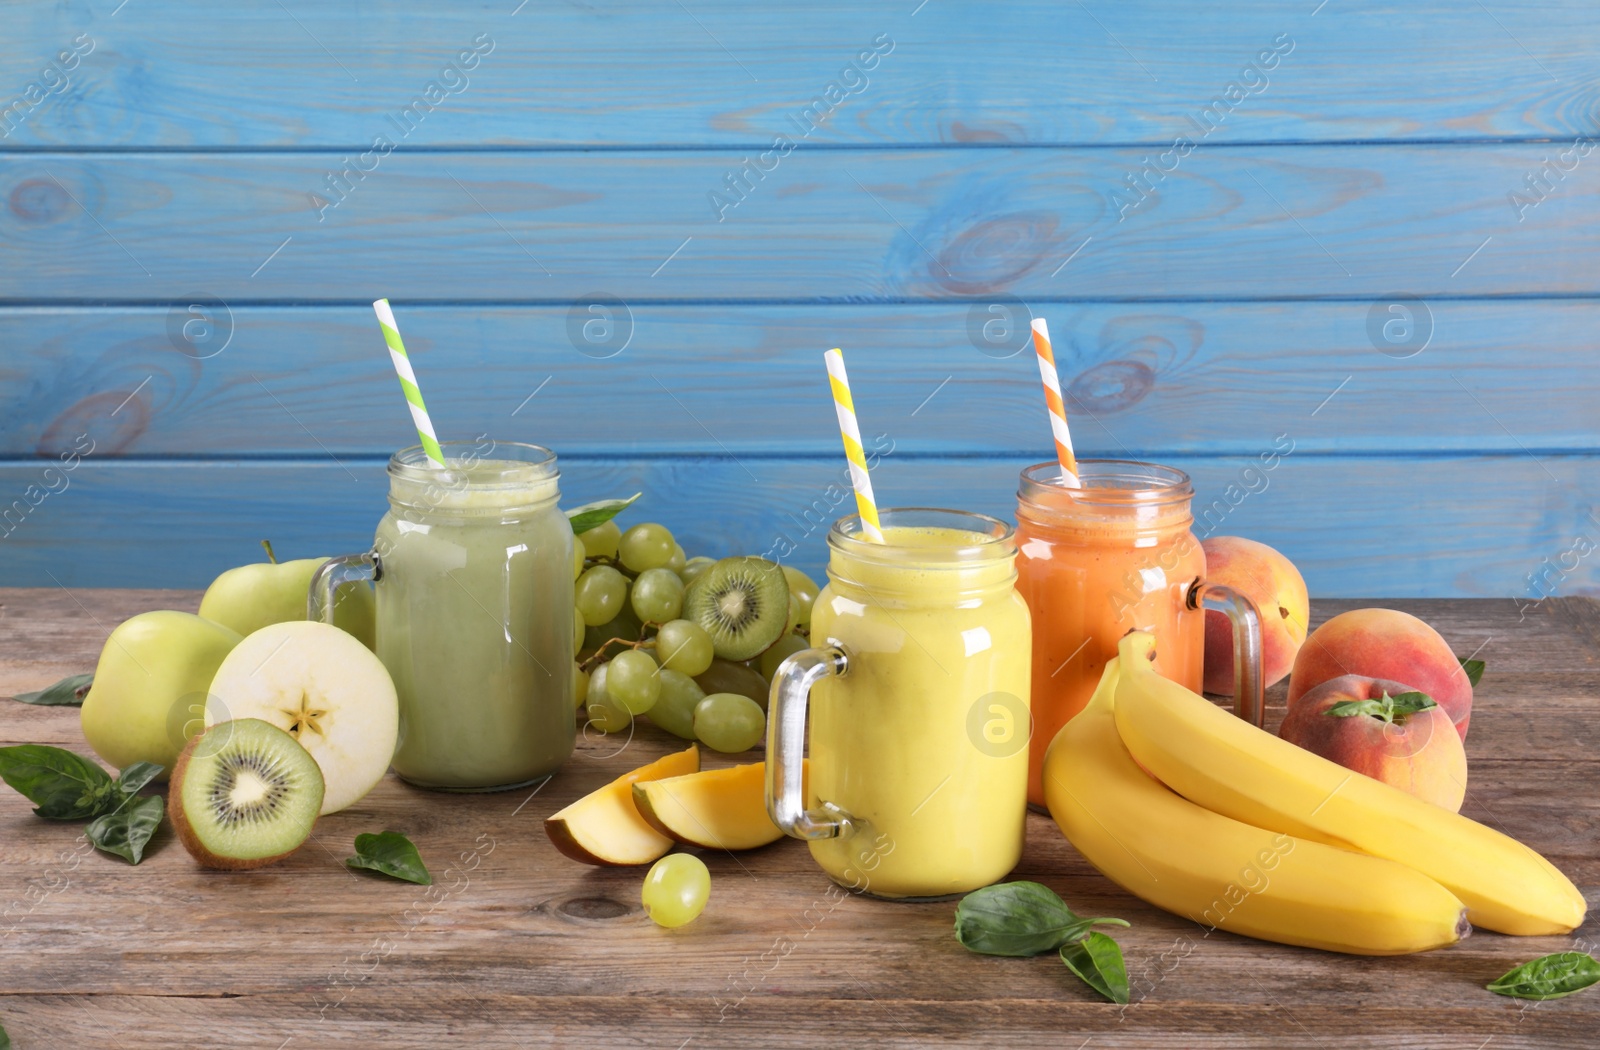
<point x="69" y="692"/>
<point x="1474" y="670"/>
<point x="589" y="515"/>
<point x="137" y="776"/>
<point x="5" y="1040"/>
<point x="62" y="785"/>
<point x="1386" y="707"/>
<point x="1403" y="704"/>
<point x="1549" y="977"/>
<point x="391" y="854"/>
<point x="1098" y="961"/>
<point x="1019" y="919"/>
<point x="1351" y="708"/>
<point x="126" y="831"/>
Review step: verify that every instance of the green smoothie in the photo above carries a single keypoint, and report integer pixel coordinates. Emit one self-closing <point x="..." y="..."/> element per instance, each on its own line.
<point x="475" y="617"/>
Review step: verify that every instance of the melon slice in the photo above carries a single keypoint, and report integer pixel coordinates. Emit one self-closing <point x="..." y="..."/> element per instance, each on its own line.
<point x="714" y="809"/>
<point x="604" y="827"/>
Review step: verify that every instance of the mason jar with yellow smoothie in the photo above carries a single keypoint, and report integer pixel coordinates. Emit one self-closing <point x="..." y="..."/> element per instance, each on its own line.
<point x="917" y="695"/>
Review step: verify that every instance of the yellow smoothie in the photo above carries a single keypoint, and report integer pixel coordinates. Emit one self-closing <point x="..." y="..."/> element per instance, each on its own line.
<point x="923" y="742"/>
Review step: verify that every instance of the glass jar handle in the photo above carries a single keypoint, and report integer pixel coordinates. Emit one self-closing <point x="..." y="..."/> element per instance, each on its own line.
<point x="786" y="739"/>
<point x="1248" y="701"/>
<point x="335" y="573"/>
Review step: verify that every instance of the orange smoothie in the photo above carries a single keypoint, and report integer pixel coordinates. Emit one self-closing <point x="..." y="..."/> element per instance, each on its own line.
<point x="1093" y="564"/>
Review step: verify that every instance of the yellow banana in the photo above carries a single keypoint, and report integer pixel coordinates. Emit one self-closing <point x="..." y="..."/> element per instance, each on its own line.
<point x="1225" y="874"/>
<point x="1228" y="765"/>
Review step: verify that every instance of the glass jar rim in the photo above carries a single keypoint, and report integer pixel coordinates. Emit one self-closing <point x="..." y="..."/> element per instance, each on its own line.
<point x="523" y="463"/>
<point x="996" y="538"/>
<point x="1109" y="483"/>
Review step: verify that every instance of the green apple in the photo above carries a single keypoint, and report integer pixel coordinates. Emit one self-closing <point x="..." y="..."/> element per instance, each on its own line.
<point x="150" y="687"/>
<point x="255" y="596"/>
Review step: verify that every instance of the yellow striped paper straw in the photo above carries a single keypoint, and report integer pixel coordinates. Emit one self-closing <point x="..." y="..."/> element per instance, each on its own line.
<point x="852" y="445"/>
<point x="1052" y="400"/>
<point x="408" y="381"/>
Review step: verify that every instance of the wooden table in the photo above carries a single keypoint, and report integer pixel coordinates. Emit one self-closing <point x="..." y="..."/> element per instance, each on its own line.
<point x="520" y="946"/>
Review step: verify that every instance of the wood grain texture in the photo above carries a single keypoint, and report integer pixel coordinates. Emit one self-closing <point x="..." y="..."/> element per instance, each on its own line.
<point x="522" y="947"/>
<point x="1254" y="222"/>
<point x="948" y="379"/>
<point x="990" y="155"/>
<point x="723" y="73"/>
<point x="1352" y="525"/>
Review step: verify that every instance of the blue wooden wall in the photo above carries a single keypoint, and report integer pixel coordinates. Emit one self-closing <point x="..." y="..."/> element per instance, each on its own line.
<point x="1366" y="231"/>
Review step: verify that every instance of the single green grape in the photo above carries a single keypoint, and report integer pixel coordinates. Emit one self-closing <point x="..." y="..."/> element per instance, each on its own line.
<point x="580" y="685"/>
<point x="657" y="595"/>
<point x="600" y="593"/>
<point x="676" y="890"/>
<point x="634" y="680"/>
<point x="578" y="554"/>
<point x="578" y="628"/>
<point x="674" y="708"/>
<point x="785" y="647"/>
<point x="608" y="716"/>
<point x="601" y="541"/>
<point x="646" y="546"/>
<point x="605" y="714"/>
<point x="679" y="558"/>
<point x="694" y="567"/>
<point x="802" y="595"/>
<point x="728" y="722"/>
<point x="685" y="646"/>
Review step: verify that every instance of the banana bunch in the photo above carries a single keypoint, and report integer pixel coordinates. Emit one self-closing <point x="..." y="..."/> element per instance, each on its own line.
<point x="1248" y="833"/>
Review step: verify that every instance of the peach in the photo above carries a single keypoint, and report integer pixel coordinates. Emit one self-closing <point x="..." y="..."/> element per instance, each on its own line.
<point x="1388" y="644"/>
<point x="1270" y="580"/>
<point x="1419" y="752"/>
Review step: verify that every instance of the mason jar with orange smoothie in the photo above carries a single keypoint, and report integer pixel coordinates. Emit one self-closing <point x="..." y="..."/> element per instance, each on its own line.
<point x="1096" y="561"/>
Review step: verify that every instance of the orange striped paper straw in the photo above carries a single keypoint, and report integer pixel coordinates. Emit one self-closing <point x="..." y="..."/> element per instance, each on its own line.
<point x="1052" y="400"/>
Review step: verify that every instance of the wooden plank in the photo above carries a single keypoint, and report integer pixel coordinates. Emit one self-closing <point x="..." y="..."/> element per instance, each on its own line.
<point x="907" y="224"/>
<point x="523" y="947"/>
<point x="513" y="1020"/>
<point x="1213" y="378"/>
<point x="178" y="523"/>
<point x="53" y="631"/>
<point x="1545" y="651"/>
<point x="724" y="73"/>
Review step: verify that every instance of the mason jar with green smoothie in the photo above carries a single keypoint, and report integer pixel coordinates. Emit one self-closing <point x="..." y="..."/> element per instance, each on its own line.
<point x="473" y="572"/>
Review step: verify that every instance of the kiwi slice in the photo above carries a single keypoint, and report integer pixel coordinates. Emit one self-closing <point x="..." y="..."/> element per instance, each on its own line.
<point x="743" y="603"/>
<point x="244" y="794"/>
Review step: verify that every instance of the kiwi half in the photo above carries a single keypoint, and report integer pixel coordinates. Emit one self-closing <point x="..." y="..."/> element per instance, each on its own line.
<point x="244" y="794"/>
<point x="743" y="603"/>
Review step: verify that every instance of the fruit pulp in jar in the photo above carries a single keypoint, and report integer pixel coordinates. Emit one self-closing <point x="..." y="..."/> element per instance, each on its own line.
<point x="935" y="793"/>
<point x="475" y="626"/>
<point x="1090" y="574"/>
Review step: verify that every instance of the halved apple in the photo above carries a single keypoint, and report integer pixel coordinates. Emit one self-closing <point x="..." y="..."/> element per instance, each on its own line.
<point x="715" y="808"/>
<point x="604" y="827"/>
<point x="323" y="687"/>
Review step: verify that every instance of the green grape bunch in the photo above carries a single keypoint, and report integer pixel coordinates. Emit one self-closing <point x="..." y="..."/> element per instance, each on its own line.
<point x="640" y="650"/>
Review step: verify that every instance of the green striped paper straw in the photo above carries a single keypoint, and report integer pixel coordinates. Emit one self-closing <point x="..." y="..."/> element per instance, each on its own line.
<point x="408" y="381"/>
